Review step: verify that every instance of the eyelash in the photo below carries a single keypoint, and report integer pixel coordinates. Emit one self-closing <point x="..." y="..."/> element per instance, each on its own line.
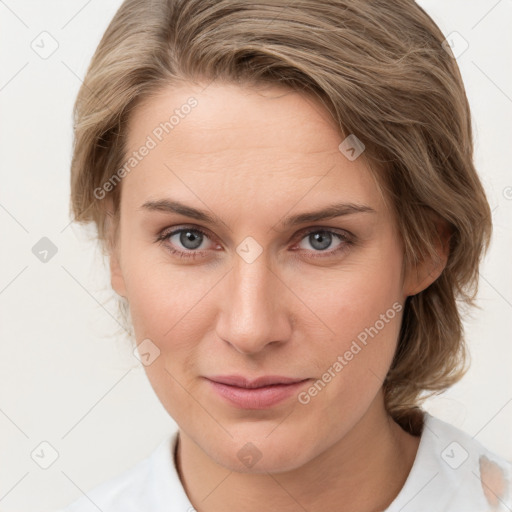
<point x="345" y="238"/>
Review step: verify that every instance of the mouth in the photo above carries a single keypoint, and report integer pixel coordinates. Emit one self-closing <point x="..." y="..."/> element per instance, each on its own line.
<point x="261" y="393"/>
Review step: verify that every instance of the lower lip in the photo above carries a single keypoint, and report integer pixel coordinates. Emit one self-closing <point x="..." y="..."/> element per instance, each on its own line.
<point x="256" y="398"/>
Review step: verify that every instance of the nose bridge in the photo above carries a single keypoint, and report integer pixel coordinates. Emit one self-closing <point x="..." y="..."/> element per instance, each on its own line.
<point x="251" y="283"/>
<point x="252" y="315"/>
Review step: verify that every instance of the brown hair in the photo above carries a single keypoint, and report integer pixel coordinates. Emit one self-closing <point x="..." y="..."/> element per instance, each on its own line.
<point x="381" y="70"/>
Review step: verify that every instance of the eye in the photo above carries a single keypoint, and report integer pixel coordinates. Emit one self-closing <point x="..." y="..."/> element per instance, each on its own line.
<point x="190" y="239"/>
<point x="190" y="242"/>
<point x="323" y="239"/>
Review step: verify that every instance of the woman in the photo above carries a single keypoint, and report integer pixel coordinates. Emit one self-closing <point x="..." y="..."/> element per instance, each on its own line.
<point x="287" y="196"/>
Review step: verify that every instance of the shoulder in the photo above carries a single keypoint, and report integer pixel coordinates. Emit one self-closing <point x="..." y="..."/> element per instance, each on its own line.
<point x="454" y="471"/>
<point x="152" y="484"/>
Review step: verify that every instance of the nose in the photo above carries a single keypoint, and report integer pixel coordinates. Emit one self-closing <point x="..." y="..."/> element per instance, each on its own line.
<point x="253" y="310"/>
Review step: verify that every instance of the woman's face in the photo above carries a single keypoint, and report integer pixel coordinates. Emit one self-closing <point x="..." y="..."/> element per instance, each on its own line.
<point x="257" y="283"/>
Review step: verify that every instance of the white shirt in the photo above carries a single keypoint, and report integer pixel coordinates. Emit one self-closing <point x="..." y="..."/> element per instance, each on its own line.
<point x="447" y="475"/>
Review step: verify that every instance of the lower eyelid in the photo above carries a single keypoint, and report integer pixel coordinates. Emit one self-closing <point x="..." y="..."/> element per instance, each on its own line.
<point x="343" y="238"/>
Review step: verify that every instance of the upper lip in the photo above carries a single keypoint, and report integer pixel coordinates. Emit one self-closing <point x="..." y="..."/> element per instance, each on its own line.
<point x="242" y="382"/>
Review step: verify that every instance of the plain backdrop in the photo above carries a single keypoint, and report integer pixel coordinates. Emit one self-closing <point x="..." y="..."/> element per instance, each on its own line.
<point x="68" y="379"/>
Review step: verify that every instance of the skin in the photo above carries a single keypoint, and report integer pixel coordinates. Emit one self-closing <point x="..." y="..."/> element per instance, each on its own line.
<point x="252" y="157"/>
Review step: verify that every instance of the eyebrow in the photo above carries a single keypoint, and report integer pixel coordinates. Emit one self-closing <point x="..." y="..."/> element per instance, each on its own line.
<point x="329" y="212"/>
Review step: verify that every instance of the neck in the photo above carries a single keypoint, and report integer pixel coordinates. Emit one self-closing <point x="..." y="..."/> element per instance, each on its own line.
<point x="363" y="471"/>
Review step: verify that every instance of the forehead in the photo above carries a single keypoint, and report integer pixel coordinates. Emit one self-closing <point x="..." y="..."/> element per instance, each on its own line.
<point x="227" y="139"/>
<point x="230" y="116"/>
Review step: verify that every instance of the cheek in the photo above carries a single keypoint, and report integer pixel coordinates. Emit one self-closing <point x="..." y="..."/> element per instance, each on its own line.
<point x="171" y="310"/>
<point x="162" y="295"/>
<point x="363" y="307"/>
<point x="354" y="296"/>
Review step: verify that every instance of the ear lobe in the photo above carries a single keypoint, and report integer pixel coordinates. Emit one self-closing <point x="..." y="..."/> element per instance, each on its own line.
<point x="429" y="269"/>
<point x="116" y="273"/>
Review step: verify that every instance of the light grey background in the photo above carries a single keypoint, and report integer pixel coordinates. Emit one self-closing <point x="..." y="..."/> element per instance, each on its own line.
<point x="66" y="376"/>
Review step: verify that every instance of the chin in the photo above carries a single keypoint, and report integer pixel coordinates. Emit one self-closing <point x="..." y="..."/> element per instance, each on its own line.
<point x="262" y="455"/>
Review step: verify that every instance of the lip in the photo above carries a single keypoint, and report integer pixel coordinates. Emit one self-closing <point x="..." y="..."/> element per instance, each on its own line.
<point x="260" y="393"/>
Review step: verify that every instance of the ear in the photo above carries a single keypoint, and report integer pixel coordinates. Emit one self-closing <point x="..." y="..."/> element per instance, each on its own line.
<point x="428" y="269"/>
<point x="113" y="245"/>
